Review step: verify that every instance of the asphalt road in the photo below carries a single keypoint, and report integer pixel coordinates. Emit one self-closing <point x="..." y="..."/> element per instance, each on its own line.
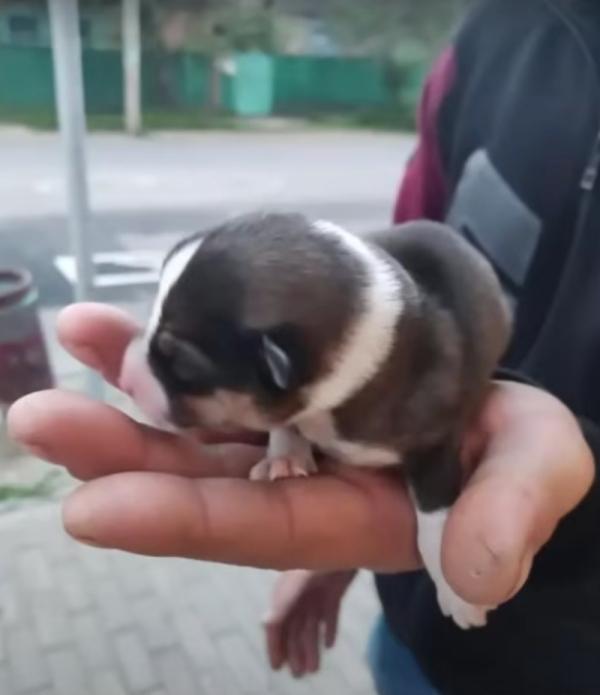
<point x="146" y="193"/>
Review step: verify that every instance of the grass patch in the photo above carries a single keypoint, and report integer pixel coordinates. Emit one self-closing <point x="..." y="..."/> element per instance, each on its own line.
<point x="43" y="489"/>
<point x="45" y="119"/>
<point x="390" y="118"/>
<point x="168" y="120"/>
<point x="39" y="119"/>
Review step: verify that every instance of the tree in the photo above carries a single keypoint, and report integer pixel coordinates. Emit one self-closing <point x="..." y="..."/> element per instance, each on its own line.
<point x="230" y="26"/>
<point x="382" y="27"/>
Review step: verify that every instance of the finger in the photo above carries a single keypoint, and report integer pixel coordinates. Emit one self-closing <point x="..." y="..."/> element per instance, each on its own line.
<point x="332" y="611"/>
<point x="533" y="474"/>
<point x="284" y="601"/>
<point x="97" y="335"/>
<point x="73" y="431"/>
<point x="289" y="588"/>
<point x="276" y="640"/>
<point x="272" y="525"/>
<point x="295" y="645"/>
<point x="311" y="643"/>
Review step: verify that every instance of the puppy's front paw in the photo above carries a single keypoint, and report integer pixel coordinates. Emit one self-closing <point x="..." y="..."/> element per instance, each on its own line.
<point x="465" y="615"/>
<point x="281" y="467"/>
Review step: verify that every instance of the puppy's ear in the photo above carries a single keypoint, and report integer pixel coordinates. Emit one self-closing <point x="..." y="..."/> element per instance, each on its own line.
<point x="277" y="363"/>
<point x="186" y="361"/>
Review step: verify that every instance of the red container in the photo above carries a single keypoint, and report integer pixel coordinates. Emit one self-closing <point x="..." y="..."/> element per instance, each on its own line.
<point x="24" y="364"/>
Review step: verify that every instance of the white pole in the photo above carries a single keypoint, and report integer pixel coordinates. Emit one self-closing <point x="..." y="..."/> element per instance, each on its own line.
<point x="132" y="52"/>
<point x="68" y="78"/>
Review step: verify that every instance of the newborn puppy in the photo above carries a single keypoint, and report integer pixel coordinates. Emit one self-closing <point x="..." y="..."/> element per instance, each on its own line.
<point x="376" y="352"/>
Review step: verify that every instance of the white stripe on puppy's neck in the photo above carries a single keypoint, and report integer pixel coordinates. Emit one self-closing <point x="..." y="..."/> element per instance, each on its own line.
<point x="371" y="336"/>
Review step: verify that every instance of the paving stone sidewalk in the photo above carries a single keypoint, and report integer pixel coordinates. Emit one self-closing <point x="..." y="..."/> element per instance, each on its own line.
<point x="76" y="620"/>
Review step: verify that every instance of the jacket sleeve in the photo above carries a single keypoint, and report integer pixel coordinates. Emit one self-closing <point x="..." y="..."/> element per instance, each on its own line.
<point x="573" y="552"/>
<point x="423" y="193"/>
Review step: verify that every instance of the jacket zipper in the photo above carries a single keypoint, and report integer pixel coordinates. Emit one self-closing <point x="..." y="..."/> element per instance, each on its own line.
<point x="590" y="175"/>
<point x="592" y="169"/>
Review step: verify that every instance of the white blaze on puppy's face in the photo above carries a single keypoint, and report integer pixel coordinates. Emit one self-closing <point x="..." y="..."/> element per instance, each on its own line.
<point x="141" y="385"/>
<point x="137" y="379"/>
<point x="171" y="272"/>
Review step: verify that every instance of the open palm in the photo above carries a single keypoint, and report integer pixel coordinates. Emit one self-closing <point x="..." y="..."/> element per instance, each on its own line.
<point x="151" y="492"/>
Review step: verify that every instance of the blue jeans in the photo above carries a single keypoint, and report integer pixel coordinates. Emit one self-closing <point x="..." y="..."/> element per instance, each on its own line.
<point x="394" y="668"/>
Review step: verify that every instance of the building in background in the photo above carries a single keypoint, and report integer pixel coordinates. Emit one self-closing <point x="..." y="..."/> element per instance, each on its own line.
<point x="300" y="26"/>
<point x="26" y="23"/>
<point x="246" y="57"/>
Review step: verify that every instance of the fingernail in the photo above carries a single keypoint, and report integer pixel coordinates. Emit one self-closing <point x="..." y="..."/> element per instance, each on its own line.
<point x="77" y="517"/>
<point x="22" y="421"/>
<point x="88" y="541"/>
<point x="40" y="451"/>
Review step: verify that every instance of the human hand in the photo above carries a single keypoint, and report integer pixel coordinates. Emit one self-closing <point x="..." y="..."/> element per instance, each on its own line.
<point x="303" y="617"/>
<point x="154" y="493"/>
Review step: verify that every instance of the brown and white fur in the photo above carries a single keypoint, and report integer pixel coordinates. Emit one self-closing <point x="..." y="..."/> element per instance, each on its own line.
<point x="374" y="351"/>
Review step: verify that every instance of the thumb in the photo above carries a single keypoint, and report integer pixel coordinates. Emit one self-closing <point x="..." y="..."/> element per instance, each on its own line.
<point x="492" y="535"/>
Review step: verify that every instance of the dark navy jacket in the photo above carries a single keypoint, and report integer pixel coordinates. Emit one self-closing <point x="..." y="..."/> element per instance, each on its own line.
<point x="509" y="153"/>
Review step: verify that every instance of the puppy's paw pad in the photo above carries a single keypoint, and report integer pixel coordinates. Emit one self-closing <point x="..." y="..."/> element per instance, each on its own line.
<point x="288" y="467"/>
<point x="282" y="467"/>
<point x="261" y="470"/>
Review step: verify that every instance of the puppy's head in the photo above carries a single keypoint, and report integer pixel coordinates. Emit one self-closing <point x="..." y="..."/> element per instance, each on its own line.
<point x="250" y="323"/>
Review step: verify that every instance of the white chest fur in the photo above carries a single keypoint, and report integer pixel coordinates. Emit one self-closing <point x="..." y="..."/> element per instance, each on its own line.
<point x="320" y="430"/>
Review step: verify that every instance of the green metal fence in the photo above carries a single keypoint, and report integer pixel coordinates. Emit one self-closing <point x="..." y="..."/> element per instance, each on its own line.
<point x="169" y="81"/>
<point x="103" y="81"/>
<point x="309" y="82"/>
<point x="259" y="85"/>
<point x="26" y="77"/>
<point x="175" y="80"/>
